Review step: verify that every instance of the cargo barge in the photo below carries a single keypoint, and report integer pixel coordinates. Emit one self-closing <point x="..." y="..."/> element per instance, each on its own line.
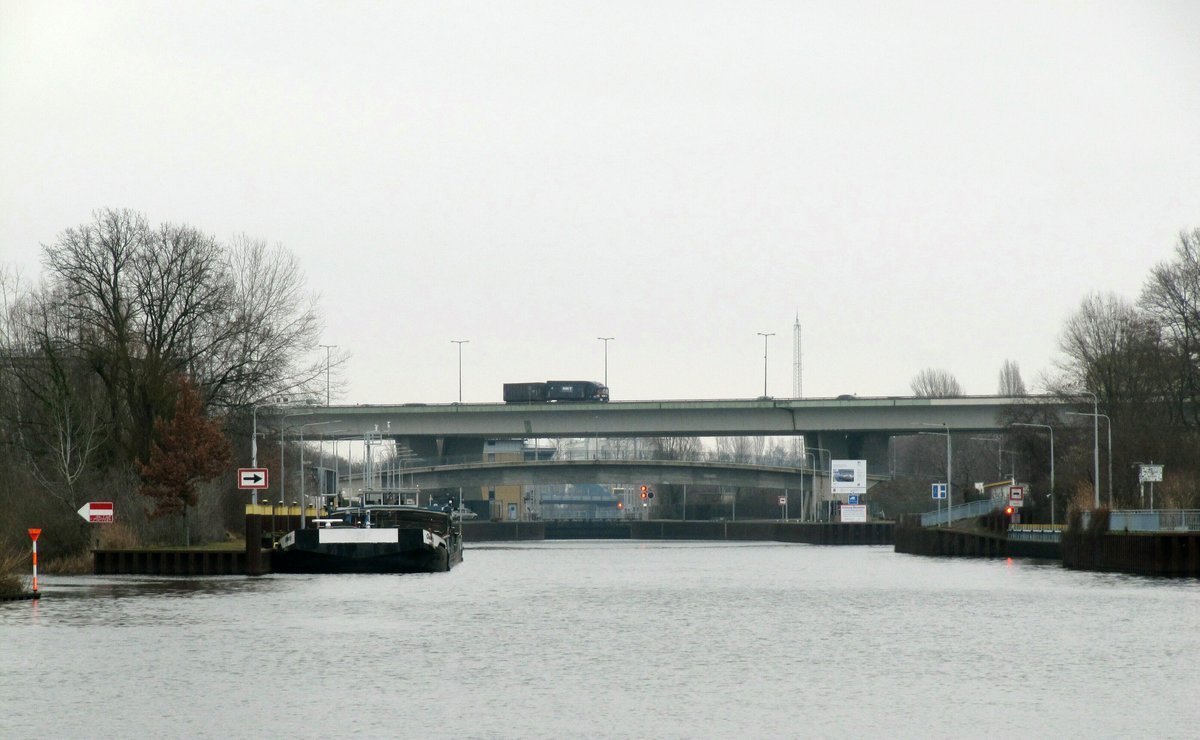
<point x="385" y="537"/>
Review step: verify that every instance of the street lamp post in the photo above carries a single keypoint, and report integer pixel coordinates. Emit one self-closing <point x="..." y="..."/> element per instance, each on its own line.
<point x="949" y="463"/>
<point x="765" y="335"/>
<point x="1012" y="465"/>
<point x="327" y="348"/>
<point x="283" y="456"/>
<point x="254" y="442"/>
<point x="811" y="487"/>
<point x="254" y="449"/>
<point x="999" y="453"/>
<point x="283" y="427"/>
<point x="1045" y="426"/>
<point x="1108" y="424"/>
<point x="460" y="343"/>
<point x="303" y="501"/>
<point x="1095" y="444"/>
<point x="829" y="457"/>
<point x="606" y="340"/>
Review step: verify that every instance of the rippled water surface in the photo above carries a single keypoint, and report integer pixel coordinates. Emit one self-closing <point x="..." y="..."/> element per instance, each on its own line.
<point x="613" y="639"/>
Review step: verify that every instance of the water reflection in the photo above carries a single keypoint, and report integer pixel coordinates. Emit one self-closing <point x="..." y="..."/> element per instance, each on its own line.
<point x="616" y="639"/>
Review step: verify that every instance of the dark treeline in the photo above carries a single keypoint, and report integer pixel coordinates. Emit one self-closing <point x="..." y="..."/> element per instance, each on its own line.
<point x="126" y="319"/>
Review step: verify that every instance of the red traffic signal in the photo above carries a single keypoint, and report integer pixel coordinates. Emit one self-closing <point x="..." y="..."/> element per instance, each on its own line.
<point x="645" y="491"/>
<point x="1008" y="511"/>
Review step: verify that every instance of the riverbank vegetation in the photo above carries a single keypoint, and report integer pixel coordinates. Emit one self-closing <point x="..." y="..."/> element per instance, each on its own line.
<point x="130" y="363"/>
<point x="12" y="570"/>
<point x="133" y="365"/>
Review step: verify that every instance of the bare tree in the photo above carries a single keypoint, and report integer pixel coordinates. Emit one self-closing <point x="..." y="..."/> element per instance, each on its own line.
<point x="935" y="383"/>
<point x="272" y="332"/>
<point x="153" y="303"/>
<point x="1111" y="350"/>
<point x="1011" y="384"/>
<point x="53" y="405"/>
<point x="674" y="448"/>
<point x="1172" y="298"/>
<point x="740" y="449"/>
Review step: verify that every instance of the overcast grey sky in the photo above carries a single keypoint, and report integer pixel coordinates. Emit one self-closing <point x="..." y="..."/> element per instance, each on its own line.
<point x="927" y="184"/>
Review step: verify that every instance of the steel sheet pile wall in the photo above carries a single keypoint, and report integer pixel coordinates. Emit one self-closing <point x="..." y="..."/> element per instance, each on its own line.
<point x="944" y="541"/>
<point x="870" y="533"/>
<point x="1161" y="554"/>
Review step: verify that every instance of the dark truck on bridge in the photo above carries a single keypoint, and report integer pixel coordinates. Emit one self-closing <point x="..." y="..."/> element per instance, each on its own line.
<point x="553" y="391"/>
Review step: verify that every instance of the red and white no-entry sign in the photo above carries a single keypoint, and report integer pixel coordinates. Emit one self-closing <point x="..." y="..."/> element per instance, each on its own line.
<point x="97" y="512"/>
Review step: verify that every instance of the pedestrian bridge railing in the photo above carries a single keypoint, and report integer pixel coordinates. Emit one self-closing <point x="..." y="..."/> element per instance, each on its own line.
<point x="1150" y="520"/>
<point x="954" y="513"/>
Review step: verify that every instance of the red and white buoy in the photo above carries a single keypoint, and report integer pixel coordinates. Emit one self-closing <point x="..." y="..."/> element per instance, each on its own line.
<point x="33" y="535"/>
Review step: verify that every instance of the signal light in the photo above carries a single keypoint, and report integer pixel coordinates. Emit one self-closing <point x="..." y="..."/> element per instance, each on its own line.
<point x="1008" y="511"/>
<point x="645" y="491"/>
<point x="620" y="504"/>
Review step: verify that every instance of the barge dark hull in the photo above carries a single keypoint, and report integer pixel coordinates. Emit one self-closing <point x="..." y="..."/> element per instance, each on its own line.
<point x="410" y="554"/>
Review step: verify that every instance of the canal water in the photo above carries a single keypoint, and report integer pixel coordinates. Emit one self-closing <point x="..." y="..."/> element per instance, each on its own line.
<point x="613" y="639"/>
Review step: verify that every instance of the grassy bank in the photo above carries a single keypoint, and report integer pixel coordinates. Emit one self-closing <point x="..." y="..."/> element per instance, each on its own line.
<point x="12" y="580"/>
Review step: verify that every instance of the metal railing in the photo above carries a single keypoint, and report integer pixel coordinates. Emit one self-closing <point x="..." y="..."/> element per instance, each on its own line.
<point x="1036" y="532"/>
<point x="1151" y="520"/>
<point x="956" y="512"/>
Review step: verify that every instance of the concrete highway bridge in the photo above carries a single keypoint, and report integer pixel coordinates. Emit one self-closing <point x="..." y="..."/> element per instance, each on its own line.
<point x="845" y="428"/>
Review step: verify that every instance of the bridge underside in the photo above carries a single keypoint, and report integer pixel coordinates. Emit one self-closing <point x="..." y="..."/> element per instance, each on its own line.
<point x="588" y="471"/>
<point x="825" y="446"/>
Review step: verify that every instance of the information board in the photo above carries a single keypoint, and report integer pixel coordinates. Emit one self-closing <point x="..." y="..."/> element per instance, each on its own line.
<point x="848" y="476"/>
<point x="854" y="513"/>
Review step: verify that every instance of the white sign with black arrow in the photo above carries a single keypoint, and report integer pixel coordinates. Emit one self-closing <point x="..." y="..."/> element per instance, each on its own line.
<point x="252" y="478"/>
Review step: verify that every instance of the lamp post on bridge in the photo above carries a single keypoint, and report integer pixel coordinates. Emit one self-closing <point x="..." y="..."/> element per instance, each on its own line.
<point x="327" y="348"/>
<point x="460" y="343"/>
<point x="765" y="336"/>
<point x="606" y="340"/>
